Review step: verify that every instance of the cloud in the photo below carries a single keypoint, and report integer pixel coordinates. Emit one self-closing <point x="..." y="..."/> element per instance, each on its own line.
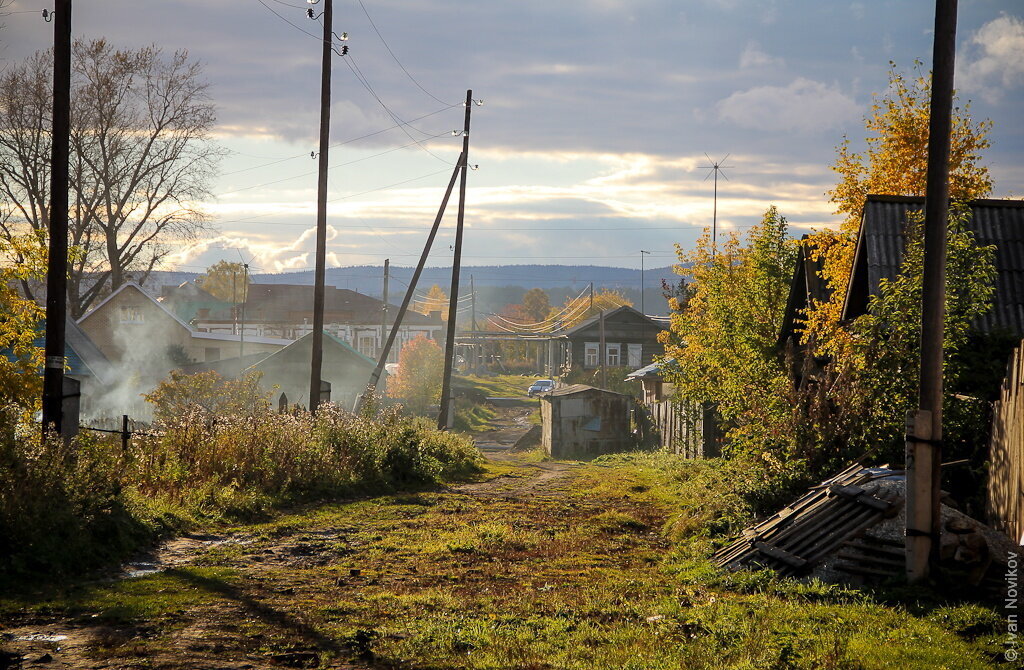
<point x="995" y="58"/>
<point x="755" y="57"/>
<point x="803" y="105"/>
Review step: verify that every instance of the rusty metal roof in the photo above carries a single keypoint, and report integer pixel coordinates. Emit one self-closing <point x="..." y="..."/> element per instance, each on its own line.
<point x="880" y="247"/>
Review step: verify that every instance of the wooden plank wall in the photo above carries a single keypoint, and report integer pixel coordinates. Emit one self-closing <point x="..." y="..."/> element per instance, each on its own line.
<point x="679" y="427"/>
<point x="1006" y="453"/>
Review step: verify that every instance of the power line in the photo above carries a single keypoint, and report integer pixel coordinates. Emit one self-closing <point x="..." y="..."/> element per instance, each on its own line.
<point x="312" y="172"/>
<point x="301" y="30"/>
<point x="388" y="47"/>
<point x="366" y="84"/>
<point x="275" y="160"/>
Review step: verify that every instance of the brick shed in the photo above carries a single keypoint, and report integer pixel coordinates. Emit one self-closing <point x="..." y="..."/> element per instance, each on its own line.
<point x="581" y="420"/>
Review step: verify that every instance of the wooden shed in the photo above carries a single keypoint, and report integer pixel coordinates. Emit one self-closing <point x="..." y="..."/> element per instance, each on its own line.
<point x="581" y="420"/>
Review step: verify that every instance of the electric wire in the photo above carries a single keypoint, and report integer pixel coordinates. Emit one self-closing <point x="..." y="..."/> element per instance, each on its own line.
<point x="366" y="84"/>
<point x="313" y="172"/>
<point x="388" y="47"/>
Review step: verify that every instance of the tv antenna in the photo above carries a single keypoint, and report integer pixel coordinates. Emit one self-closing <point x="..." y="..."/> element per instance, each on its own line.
<point x="716" y="169"/>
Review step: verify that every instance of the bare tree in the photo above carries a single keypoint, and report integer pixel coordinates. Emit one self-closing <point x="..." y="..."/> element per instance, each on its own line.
<point x="141" y="160"/>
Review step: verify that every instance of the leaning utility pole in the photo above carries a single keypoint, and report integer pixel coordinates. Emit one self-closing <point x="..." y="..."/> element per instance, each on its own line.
<point x="924" y="437"/>
<point x="453" y="297"/>
<point x="57" y="264"/>
<point x="371" y="385"/>
<point x="384" y="307"/>
<point x="321" y="210"/>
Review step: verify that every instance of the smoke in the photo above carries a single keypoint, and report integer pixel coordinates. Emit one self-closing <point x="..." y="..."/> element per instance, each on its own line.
<point x="146" y="356"/>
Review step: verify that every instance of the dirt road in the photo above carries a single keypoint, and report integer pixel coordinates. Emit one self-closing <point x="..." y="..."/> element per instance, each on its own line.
<point x="396" y="581"/>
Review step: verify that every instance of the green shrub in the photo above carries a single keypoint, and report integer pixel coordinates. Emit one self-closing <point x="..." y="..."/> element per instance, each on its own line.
<point x="69" y="507"/>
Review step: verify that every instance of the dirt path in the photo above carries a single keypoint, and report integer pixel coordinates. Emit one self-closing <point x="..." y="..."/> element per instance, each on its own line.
<point x="375" y="583"/>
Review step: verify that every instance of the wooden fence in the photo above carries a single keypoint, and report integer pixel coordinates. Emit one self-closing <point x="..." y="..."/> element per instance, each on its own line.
<point x="687" y="429"/>
<point x="1006" y="453"/>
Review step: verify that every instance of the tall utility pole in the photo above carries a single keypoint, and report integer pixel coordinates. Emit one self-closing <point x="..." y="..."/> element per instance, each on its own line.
<point x="57" y="268"/>
<point x="472" y="300"/>
<point x="472" y="321"/>
<point x="643" y="310"/>
<point x="245" y="295"/>
<point x="924" y="438"/>
<point x="316" y="364"/>
<point x="453" y="297"/>
<point x="384" y="307"/>
<point x="643" y="253"/>
<point x="602" y="351"/>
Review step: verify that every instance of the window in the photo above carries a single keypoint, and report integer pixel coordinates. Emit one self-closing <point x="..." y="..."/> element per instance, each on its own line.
<point x="590" y="359"/>
<point x="131" y="314"/>
<point x="368" y="345"/>
<point x="612" y="354"/>
<point x="635" y="353"/>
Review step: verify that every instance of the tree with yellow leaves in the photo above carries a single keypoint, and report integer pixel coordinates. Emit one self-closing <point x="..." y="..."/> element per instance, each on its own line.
<point x="226" y="281"/>
<point x="417" y="382"/>
<point x="21" y="360"/>
<point x="894" y="163"/>
<point x="435" y="301"/>
<point x="723" y="341"/>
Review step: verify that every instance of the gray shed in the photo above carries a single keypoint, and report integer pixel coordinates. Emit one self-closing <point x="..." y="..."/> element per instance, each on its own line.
<point x="581" y="420"/>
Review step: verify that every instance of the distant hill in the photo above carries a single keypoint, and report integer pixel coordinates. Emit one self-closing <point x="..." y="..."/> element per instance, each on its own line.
<point x="496" y="285"/>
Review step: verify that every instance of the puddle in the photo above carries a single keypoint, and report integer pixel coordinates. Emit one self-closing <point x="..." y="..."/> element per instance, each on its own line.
<point x="136" y="570"/>
<point x="178" y="551"/>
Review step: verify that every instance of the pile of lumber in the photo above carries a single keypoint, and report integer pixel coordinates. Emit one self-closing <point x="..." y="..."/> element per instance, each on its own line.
<point x="828" y="516"/>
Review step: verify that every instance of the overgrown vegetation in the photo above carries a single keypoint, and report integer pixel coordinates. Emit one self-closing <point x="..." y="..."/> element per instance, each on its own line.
<point x="217" y="452"/>
<point x="573" y="573"/>
<point x="842" y="390"/>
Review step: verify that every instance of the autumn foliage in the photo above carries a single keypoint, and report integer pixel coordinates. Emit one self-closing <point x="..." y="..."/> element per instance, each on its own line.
<point x="417" y="382"/>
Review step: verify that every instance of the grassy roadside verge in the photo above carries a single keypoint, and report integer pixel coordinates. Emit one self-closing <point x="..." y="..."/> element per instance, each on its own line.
<point x="66" y="509"/>
<point x="602" y="567"/>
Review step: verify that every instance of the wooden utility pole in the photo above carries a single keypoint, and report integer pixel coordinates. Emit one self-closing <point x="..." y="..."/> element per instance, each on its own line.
<point x="57" y="264"/>
<point x="316" y="364"/>
<point x="601" y="350"/>
<point x="443" y="417"/>
<point x="924" y="437"/>
<point x="245" y="295"/>
<point x="472" y="321"/>
<point x="384" y="307"/>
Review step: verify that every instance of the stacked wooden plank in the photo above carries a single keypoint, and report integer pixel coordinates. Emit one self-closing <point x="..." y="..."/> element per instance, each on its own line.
<point x="1006" y="472"/>
<point x="816" y="525"/>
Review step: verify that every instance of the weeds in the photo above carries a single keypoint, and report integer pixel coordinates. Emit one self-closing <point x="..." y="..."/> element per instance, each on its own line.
<point x="66" y="507"/>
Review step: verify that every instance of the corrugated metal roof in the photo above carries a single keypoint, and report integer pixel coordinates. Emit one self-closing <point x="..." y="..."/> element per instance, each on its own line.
<point x="994" y="222"/>
<point x="573" y="389"/>
<point x="652" y="370"/>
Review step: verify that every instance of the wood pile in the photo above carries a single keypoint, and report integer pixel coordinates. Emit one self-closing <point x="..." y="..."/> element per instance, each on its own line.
<point x="829" y="515"/>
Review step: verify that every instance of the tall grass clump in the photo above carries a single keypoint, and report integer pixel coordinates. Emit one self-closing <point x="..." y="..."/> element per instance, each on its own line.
<point x="217" y="451"/>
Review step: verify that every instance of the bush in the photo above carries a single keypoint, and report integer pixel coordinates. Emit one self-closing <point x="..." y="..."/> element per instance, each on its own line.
<point x="69" y="507"/>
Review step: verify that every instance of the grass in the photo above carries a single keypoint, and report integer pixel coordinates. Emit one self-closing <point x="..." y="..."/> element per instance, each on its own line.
<point x="592" y="570"/>
<point x="501" y="386"/>
<point x="66" y="508"/>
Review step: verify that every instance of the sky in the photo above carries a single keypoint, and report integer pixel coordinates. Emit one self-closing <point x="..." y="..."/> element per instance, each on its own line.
<point x="598" y="122"/>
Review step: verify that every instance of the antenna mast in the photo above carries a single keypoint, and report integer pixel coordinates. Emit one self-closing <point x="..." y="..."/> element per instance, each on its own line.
<point x="716" y="168"/>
